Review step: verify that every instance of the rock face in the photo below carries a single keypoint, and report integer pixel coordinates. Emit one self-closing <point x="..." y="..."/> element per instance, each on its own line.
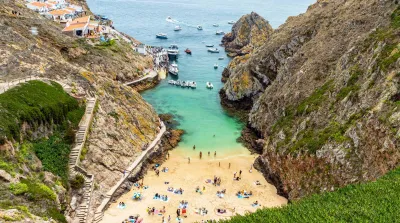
<point x="123" y="121"/>
<point x="322" y="95"/>
<point x="248" y="33"/>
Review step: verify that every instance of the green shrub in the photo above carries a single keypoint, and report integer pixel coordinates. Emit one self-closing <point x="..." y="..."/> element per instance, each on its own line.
<point x="38" y="191"/>
<point x="83" y="153"/>
<point x="77" y="182"/>
<point x="19" y="188"/>
<point x="33" y="102"/>
<point x="351" y="85"/>
<point x="54" y="154"/>
<point x="369" y="202"/>
<point x="395" y="17"/>
<point x="56" y="215"/>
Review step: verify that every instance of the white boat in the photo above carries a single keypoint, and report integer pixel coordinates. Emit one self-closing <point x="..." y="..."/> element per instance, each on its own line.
<point x="209" y="85"/>
<point x="184" y="84"/>
<point x="215" y="25"/>
<point x="199" y="27"/>
<point x="169" y="18"/>
<point x="173" y="69"/>
<point x="216" y="66"/>
<point x="162" y="36"/>
<point x="209" y="45"/>
<point x="221" y="58"/>
<point x="231" y="22"/>
<point x="220" y="32"/>
<point x="213" y="50"/>
<point x="178" y="83"/>
<point x="192" y="84"/>
<point x="173" y="50"/>
<point x="172" y="82"/>
<point x="177" y="28"/>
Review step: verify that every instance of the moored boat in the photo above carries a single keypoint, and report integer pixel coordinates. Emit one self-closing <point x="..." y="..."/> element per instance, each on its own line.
<point x="220" y="32"/>
<point x="199" y="27"/>
<point x="173" y="69"/>
<point x="216" y="66"/>
<point x="172" y="82"/>
<point x="177" y="28"/>
<point x="215" y="25"/>
<point x="162" y="36"/>
<point x="173" y="50"/>
<point x="213" y="50"/>
<point x="209" y="45"/>
<point x="231" y="22"/>
<point x="188" y="51"/>
<point x="192" y="84"/>
<point x="209" y="85"/>
<point x="221" y="58"/>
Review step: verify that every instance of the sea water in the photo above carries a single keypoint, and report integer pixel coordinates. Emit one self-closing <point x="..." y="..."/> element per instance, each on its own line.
<point x="198" y="110"/>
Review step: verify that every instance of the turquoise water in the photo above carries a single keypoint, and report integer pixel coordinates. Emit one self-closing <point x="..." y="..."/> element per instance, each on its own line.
<point x="198" y="111"/>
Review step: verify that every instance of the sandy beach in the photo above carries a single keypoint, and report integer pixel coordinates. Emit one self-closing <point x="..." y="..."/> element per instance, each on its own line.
<point x="187" y="176"/>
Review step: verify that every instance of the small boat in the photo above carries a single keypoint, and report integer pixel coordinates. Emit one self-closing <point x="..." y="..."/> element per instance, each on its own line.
<point x="173" y="50"/>
<point x="188" y="51"/>
<point x="192" y="84"/>
<point x="199" y="27"/>
<point x="209" y="45"/>
<point x="178" y="83"/>
<point x="178" y="28"/>
<point x="209" y="85"/>
<point x="216" y="66"/>
<point x="173" y="69"/>
<point x="172" y="82"/>
<point x="220" y="32"/>
<point x="162" y="36"/>
<point x="169" y="18"/>
<point x="215" y="25"/>
<point x="184" y="84"/>
<point x="213" y="50"/>
<point x="231" y="22"/>
<point x="221" y="58"/>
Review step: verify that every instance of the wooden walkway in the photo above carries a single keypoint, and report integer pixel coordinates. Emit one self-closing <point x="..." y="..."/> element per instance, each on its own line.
<point x="151" y="75"/>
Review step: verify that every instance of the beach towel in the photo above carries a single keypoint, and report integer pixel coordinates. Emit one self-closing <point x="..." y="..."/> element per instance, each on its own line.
<point x="181" y="206"/>
<point x="208" y="181"/>
<point x="255" y="205"/>
<point x="121" y="206"/>
<point x="179" y="220"/>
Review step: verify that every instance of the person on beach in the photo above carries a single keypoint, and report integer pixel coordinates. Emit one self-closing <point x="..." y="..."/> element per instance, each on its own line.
<point x="162" y="221"/>
<point x="169" y="218"/>
<point x="229" y="166"/>
<point x="178" y="212"/>
<point x="219" y="164"/>
<point x="201" y="154"/>
<point x="189" y="160"/>
<point x="215" y="154"/>
<point x="240" y="173"/>
<point x="158" y="173"/>
<point x="194" y="147"/>
<point x="234" y="175"/>
<point x="208" y="153"/>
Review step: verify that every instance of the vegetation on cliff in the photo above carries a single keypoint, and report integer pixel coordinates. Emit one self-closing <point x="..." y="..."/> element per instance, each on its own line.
<point x="323" y="97"/>
<point x="369" y="202"/>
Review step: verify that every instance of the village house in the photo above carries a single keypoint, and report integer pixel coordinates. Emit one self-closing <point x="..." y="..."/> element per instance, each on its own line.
<point x="60" y="15"/>
<point x="40" y="7"/>
<point x="81" y="27"/>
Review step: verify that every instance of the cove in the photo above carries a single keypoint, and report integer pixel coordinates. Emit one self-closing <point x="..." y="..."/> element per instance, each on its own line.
<point x="197" y="110"/>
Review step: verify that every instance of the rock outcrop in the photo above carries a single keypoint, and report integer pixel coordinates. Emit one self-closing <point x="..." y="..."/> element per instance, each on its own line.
<point x="322" y="95"/>
<point x="123" y="121"/>
<point x="250" y="32"/>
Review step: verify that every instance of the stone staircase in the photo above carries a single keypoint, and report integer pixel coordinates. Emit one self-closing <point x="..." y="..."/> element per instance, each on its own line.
<point x="74" y="167"/>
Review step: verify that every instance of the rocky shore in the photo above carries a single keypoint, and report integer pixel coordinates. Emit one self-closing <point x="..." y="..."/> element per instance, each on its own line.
<point x="319" y="96"/>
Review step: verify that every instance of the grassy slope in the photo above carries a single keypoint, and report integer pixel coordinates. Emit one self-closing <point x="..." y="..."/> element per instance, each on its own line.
<point x="36" y="102"/>
<point x="370" y="202"/>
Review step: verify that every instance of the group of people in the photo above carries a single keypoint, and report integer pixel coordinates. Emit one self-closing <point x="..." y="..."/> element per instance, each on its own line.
<point x="236" y="176"/>
<point x="133" y="219"/>
<point x="217" y="181"/>
<point x="158" y="196"/>
<point x="244" y="194"/>
<point x="221" y="193"/>
<point x="178" y="191"/>
<point x="121" y="205"/>
<point x="152" y="211"/>
<point x="183" y="204"/>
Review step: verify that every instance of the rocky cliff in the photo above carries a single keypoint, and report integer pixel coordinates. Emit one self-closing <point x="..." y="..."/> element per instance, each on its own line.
<point x="321" y="96"/>
<point x="123" y="121"/>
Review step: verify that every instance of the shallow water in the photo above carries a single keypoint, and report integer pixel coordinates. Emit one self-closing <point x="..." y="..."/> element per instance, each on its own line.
<point x="198" y="111"/>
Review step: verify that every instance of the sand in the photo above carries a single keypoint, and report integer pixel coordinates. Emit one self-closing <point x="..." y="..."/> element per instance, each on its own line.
<point x="188" y="177"/>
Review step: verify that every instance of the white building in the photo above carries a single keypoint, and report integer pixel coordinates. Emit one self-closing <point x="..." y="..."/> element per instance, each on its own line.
<point x="38" y="7"/>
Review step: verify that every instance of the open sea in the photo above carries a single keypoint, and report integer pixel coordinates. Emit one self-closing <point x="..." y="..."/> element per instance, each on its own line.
<point x="197" y="110"/>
